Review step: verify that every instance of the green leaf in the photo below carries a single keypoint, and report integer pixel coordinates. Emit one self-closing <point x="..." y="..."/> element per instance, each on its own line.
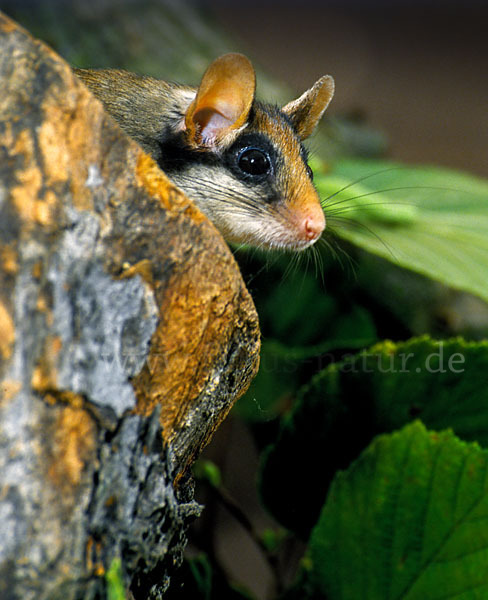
<point x="302" y="324"/>
<point x="379" y="390"/>
<point x="202" y="574"/>
<point x="114" y="581"/>
<point x="408" y="520"/>
<point x="298" y="310"/>
<point x="431" y="220"/>
<point x="272" y="539"/>
<point x="282" y="370"/>
<point x="208" y="471"/>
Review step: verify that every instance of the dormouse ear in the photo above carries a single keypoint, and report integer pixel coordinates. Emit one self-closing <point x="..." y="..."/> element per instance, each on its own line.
<point x="306" y="111"/>
<point x="223" y="99"/>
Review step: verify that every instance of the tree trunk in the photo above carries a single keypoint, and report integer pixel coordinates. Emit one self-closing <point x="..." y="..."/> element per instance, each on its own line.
<point x="126" y="334"/>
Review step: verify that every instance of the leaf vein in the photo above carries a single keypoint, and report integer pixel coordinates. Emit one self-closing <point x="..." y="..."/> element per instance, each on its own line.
<point x="448" y="535"/>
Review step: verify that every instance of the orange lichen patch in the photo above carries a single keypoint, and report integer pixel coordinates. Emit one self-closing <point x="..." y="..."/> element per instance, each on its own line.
<point x="73" y="446"/>
<point x="7" y="26"/>
<point x="99" y="570"/>
<point x="44" y="374"/>
<point x="195" y="329"/>
<point x="23" y="144"/>
<point x="53" y="144"/>
<point x="50" y="399"/>
<point x="9" y="389"/>
<point x="143" y="268"/>
<point x="25" y="195"/>
<point x="8" y="259"/>
<point x="7" y="333"/>
<point x="195" y="320"/>
<point x="44" y="210"/>
<point x="41" y="304"/>
<point x="56" y="345"/>
<point x="37" y="270"/>
<point x="155" y="182"/>
<point x="93" y="553"/>
<point x="83" y="132"/>
<point x="42" y="214"/>
<point x="66" y="142"/>
<point x="87" y="115"/>
<point x="64" y="396"/>
<point x="7" y="136"/>
<point x="41" y="381"/>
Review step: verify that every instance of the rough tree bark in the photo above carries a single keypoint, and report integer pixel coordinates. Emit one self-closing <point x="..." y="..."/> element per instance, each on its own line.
<point x="126" y="333"/>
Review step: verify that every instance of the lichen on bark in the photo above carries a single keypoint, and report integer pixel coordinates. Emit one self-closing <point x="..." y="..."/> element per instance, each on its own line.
<point x="126" y="334"/>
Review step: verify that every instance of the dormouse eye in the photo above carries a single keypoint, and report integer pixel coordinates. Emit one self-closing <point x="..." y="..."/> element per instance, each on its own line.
<point x="254" y="162"/>
<point x="309" y="172"/>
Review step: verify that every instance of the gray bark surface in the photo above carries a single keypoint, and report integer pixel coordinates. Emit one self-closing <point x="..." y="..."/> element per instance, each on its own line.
<point x="126" y="334"/>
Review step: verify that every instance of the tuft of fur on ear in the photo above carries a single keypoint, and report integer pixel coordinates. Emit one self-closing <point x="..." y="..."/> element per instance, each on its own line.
<point x="306" y="111"/>
<point x="223" y="100"/>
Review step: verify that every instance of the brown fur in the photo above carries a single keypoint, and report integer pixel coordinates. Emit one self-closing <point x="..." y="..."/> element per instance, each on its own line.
<point x="191" y="131"/>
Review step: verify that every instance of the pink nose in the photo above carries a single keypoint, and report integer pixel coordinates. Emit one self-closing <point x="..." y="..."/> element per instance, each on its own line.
<point x="314" y="225"/>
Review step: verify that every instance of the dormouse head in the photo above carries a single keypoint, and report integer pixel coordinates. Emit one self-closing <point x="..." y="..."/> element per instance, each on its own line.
<point x="246" y="165"/>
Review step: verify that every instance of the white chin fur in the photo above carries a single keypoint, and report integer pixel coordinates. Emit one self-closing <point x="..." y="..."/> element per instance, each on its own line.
<point x="237" y="213"/>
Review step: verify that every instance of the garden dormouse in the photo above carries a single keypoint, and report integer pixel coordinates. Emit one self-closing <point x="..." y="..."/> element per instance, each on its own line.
<point x="240" y="160"/>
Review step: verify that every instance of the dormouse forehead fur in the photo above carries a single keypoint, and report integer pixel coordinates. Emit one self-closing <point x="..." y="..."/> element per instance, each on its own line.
<point x="291" y="155"/>
<point x="278" y="128"/>
<point x="270" y="121"/>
